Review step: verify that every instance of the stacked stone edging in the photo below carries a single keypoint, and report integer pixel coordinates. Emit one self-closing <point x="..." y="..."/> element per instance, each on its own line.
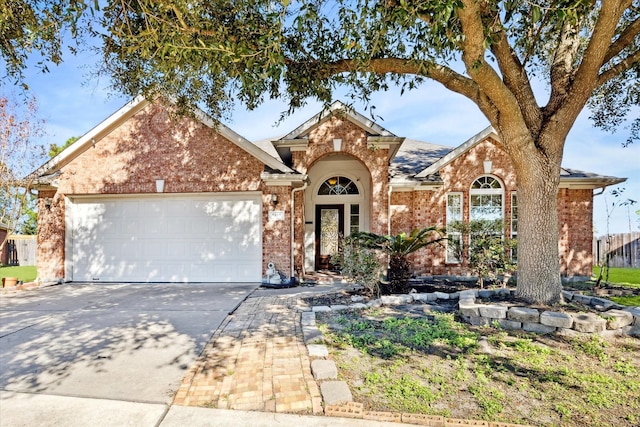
<point x="610" y="319"/>
<point x="337" y="397"/>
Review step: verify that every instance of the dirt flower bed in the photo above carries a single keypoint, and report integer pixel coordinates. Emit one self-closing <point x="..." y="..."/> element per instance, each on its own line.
<point x="402" y="359"/>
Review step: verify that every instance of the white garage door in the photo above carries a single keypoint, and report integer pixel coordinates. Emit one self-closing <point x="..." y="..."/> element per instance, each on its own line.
<point x="213" y="238"/>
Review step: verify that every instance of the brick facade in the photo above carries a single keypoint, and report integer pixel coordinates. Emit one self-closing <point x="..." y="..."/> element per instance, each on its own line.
<point x="355" y="145"/>
<point x="193" y="158"/>
<point x="189" y="156"/>
<point x="425" y="208"/>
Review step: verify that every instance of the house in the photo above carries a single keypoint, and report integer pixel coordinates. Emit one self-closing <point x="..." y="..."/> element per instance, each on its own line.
<point x="147" y="196"/>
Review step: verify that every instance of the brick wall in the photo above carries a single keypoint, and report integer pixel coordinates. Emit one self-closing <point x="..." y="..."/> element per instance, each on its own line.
<point x="153" y="144"/>
<point x="354" y="144"/>
<point x="426" y="208"/>
<point x="575" y="219"/>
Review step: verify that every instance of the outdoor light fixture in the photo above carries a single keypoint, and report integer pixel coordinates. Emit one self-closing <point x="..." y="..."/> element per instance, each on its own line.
<point x="274" y="199"/>
<point x="47" y="202"/>
<point x="159" y="185"/>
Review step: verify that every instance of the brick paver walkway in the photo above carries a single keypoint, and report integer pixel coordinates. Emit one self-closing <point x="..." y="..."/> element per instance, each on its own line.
<point x="256" y="360"/>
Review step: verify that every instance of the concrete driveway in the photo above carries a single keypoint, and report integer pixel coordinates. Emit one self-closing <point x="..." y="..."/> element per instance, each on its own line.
<point x="130" y="342"/>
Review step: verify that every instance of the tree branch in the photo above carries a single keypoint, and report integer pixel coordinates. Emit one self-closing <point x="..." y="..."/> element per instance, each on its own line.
<point x="444" y="75"/>
<point x="516" y="79"/>
<point x="562" y="67"/>
<point x="623" y="40"/>
<point x="586" y="75"/>
<point x="489" y="82"/>
<point x="618" y="68"/>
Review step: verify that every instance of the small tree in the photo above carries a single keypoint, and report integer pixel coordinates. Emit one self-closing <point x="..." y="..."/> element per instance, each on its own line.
<point x="398" y="248"/>
<point x="604" y="264"/>
<point x="361" y="265"/>
<point x="487" y="251"/>
<point x="19" y="155"/>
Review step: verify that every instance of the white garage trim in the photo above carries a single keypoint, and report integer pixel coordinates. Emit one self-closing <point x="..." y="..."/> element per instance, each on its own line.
<point x="201" y="237"/>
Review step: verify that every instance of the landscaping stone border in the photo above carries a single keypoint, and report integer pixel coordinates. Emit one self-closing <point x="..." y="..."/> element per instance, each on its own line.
<point x="609" y="318"/>
<point x="336" y="395"/>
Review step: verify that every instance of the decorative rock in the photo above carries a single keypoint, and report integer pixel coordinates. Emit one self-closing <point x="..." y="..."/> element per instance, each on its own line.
<point x="312" y="335"/>
<point x="588" y="322"/>
<point x="503" y="291"/>
<point x="357" y="298"/>
<point x="339" y="307"/>
<point x="493" y="311"/>
<point x="523" y="314"/>
<point x="537" y="328"/>
<point x="468" y="309"/>
<point x="317" y="350"/>
<point x="324" y="369"/>
<point x="617" y="319"/>
<point x="582" y="299"/>
<point x="479" y="321"/>
<point x="334" y="392"/>
<point x="396" y="299"/>
<point x="509" y="324"/>
<point x="358" y="306"/>
<point x="374" y="303"/>
<point x="319" y="308"/>
<point x="485" y="293"/>
<point x="441" y="295"/>
<point x="455" y="295"/>
<point x="308" y="318"/>
<point x="424" y="297"/>
<point x="605" y="303"/>
<point x="567" y="295"/>
<point x="555" y="319"/>
<point x="635" y="312"/>
<point x="469" y="293"/>
<point x="632" y="331"/>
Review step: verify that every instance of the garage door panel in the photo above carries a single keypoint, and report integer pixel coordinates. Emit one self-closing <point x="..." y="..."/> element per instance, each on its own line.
<point x="169" y="238"/>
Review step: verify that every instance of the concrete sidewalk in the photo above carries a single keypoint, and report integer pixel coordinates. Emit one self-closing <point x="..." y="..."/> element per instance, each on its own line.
<point x="28" y="410"/>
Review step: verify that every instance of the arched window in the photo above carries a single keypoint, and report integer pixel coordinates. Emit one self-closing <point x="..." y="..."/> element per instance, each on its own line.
<point x="338" y="185"/>
<point x="486" y="199"/>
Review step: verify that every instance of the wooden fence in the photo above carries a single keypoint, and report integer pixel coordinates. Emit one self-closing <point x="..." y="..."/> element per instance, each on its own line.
<point x="624" y="250"/>
<point x="21" y="250"/>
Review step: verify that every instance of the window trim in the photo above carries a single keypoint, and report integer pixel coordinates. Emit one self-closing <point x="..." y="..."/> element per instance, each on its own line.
<point x="488" y="192"/>
<point x="449" y="256"/>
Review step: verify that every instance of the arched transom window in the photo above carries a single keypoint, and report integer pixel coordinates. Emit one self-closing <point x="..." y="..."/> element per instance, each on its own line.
<point x="486" y="199"/>
<point x="338" y="185"/>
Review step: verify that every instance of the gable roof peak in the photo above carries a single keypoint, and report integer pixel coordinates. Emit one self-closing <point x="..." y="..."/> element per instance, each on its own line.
<point x="337" y="106"/>
<point x="487" y="132"/>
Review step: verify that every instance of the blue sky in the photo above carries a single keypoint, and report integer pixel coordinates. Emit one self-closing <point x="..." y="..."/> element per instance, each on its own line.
<point x="72" y="104"/>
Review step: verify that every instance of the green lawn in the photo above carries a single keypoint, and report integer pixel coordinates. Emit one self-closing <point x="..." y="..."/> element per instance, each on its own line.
<point x="26" y="274"/>
<point x="622" y="276"/>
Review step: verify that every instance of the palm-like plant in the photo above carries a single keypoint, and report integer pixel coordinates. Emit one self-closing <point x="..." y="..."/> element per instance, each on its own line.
<point x="398" y="248"/>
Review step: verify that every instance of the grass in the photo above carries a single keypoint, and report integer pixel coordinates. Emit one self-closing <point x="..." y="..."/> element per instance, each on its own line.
<point x="26" y="273"/>
<point x="622" y="276"/>
<point x="432" y="364"/>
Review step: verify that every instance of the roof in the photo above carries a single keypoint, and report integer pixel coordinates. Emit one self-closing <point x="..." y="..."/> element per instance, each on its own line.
<point x="412" y="163"/>
<point x="45" y="173"/>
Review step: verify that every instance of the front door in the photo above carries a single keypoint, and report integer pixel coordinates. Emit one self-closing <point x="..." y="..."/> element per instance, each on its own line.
<point x="329" y="232"/>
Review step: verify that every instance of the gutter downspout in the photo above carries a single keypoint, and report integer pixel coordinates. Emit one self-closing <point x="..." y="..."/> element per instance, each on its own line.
<point x="304" y="186"/>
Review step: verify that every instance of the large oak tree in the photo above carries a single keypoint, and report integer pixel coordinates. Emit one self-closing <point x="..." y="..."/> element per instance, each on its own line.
<point x="215" y="53"/>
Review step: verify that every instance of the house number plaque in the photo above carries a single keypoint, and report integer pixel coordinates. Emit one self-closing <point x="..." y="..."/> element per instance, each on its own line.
<point x="276" y="216"/>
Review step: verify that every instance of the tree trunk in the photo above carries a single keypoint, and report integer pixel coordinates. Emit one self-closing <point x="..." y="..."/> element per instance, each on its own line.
<point x="538" y="256"/>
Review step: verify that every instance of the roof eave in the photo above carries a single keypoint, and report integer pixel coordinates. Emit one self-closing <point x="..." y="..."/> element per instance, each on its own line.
<point x="591" y="183"/>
